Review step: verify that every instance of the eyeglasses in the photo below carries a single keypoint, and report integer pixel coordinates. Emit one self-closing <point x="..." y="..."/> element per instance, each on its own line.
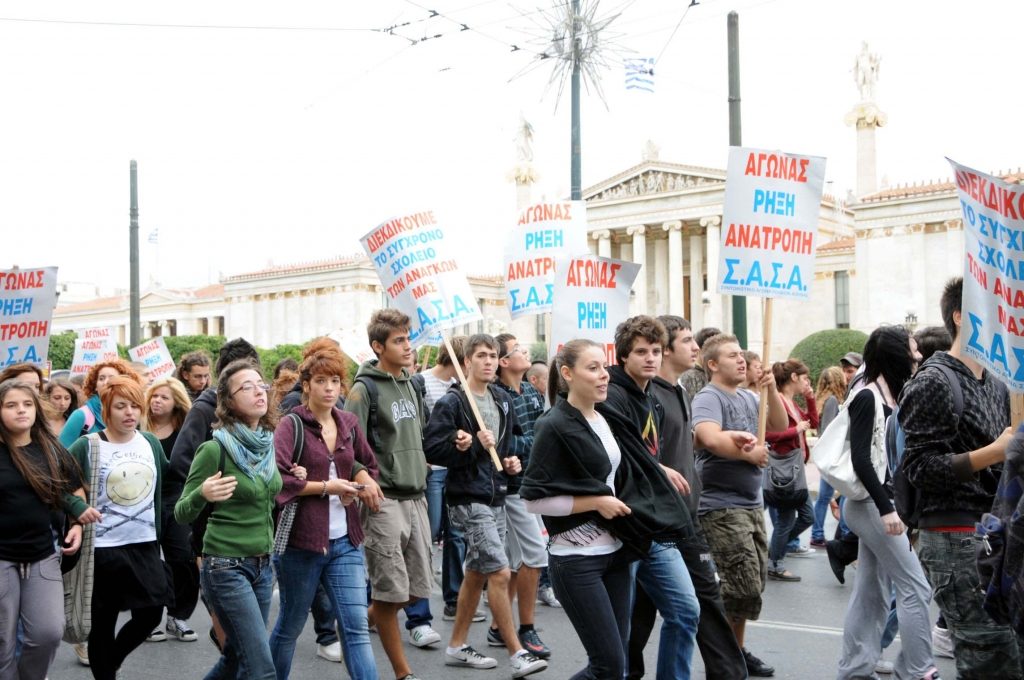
<point x="251" y="387"/>
<point x="516" y="348"/>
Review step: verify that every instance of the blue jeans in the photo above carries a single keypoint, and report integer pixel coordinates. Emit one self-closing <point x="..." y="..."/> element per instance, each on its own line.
<point x="787" y="525"/>
<point x="435" y="501"/>
<point x="595" y="591"/>
<point x="664" y="578"/>
<point x="342" y="572"/>
<point x="452" y="557"/>
<point x="239" y="591"/>
<point x="825" y="494"/>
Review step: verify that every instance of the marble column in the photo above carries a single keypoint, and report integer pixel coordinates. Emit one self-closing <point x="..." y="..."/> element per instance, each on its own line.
<point x="696" y="281"/>
<point x="713" y="227"/>
<point x="675" y="266"/>
<point x="604" y="242"/>
<point x="626" y="251"/>
<point x="660" y="283"/>
<point x="916" y="302"/>
<point x="642" y="285"/>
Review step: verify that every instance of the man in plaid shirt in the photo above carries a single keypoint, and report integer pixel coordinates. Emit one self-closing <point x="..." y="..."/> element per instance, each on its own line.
<point x="524" y="543"/>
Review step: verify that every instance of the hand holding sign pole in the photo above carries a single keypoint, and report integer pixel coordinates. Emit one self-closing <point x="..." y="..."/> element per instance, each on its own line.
<point x="772" y="201"/>
<point x="410" y="255"/>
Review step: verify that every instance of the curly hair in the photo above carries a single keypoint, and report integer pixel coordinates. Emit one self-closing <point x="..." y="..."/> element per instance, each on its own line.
<point x="322" y="356"/>
<point x="119" y="365"/>
<point x="635" y="328"/>
<point x="831" y="383"/>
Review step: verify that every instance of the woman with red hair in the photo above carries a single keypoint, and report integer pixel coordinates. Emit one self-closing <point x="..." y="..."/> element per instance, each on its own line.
<point x="129" y="574"/>
<point x="89" y="418"/>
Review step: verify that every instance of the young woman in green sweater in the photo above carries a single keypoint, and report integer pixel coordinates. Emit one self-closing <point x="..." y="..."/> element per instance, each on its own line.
<point x="236" y="575"/>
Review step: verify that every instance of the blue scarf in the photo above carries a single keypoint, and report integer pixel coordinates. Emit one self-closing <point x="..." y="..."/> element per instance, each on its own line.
<point x="251" y="450"/>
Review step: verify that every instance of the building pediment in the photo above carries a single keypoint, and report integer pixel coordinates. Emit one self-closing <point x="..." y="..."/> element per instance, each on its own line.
<point x="653" y="177"/>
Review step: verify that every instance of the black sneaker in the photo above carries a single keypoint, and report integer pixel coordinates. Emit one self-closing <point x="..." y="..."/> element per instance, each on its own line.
<point x="494" y="638"/>
<point x="532" y="643"/>
<point x="756" y="667"/>
<point x="450" y="609"/>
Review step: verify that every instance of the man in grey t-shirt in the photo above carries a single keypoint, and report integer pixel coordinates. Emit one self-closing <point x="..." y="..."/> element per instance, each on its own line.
<point x="729" y="462"/>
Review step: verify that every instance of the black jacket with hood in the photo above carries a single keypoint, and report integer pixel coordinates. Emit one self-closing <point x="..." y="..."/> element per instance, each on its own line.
<point x="639" y="406"/>
<point x="472" y="477"/>
<point x="197" y="428"/>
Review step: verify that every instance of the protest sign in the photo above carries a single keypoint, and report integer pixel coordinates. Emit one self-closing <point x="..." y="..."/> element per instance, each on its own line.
<point x="354" y="344"/>
<point x="421" y="279"/>
<point x="591" y="296"/>
<point x="770" y="218"/>
<point x="993" y="295"/>
<point x="93" y="346"/>
<point x="155" y="355"/>
<point x="27" y="299"/>
<point x="544" y="233"/>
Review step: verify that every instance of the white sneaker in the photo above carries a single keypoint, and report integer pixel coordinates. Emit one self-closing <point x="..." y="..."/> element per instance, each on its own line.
<point x="331" y="652"/>
<point x="424" y="636"/>
<point x="547" y="597"/>
<point x="802" y="551"/>
<point x="468" y="657"/>
<point x="82" y="653"/>
<point x="180" y="630"/>
<point x="523" y="663"/>
<point x="158" y="635"/>
<point x="942" y="642"/>
<point x="884" y="667"/>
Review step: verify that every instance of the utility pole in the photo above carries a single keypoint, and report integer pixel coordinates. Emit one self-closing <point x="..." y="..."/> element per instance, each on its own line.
<point x="134" y="321"/>
<point x="739" y="303"/>
<point x="576" y="181"/>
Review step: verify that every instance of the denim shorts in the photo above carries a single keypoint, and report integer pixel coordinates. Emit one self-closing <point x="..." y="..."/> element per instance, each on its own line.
<point x="484" y="529"/>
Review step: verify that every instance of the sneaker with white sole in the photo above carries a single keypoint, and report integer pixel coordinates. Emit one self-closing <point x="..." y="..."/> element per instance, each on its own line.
<point x="547" y="598"/>
<point x="424" y="636"/>
<point x="468" y="657"/>
<point x="523" y="663"/>
<point x="802" y="551"/>
<point x="883" y="667"/>
<point x="450" y="611"/>
<point x="942" y="642"/>
<point x="180" y="630"/>
<point x="331" y="652"/>
<point x="158" y="635"/>
<point x="82" y="653"/>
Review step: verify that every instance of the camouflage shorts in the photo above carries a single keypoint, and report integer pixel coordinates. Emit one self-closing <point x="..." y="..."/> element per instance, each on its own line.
<point x="739" y="545"/>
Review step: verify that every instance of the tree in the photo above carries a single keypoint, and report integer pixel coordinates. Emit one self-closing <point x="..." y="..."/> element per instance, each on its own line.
<point x="62" y="350"/>
<point x="825" y="348"/>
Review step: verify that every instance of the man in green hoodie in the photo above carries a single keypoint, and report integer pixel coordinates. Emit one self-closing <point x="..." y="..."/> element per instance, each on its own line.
<point x="396" y="525"/>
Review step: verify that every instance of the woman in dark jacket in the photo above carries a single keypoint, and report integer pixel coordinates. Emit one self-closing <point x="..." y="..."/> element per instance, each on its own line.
<point x="602" y="500"/>
<point x="323" y="547"/>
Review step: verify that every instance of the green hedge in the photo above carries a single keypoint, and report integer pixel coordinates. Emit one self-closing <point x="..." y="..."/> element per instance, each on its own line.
<point x="825" y="348"/>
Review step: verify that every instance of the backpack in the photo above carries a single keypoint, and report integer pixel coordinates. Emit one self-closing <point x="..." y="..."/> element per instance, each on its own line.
<point x="199" y="524"/>
<point x="373" y="438"/>
<point x="906" y="497"/>
<point x="90" y="419"/>
<point x="1000" y="549"/>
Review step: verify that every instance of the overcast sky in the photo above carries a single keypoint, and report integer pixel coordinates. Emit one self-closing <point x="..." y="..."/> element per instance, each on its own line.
<point x="278" y="146"/>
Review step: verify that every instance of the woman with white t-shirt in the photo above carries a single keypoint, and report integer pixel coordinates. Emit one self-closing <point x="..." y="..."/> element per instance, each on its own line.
<point x="129" y="574"/>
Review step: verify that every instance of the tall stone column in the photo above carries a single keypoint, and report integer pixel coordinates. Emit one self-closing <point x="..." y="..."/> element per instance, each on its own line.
<point x="660" y="283"/>
<point x="696" y="281"/>
<point x="675" y="266"/>
<point x="643" y="285"/>
<point x="604" y="242"/>
<point x="916" y="303"/>
<point x="713" y="227"/>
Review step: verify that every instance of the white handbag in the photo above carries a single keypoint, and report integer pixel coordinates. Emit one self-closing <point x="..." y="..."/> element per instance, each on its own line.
<point x="831" y="453"/>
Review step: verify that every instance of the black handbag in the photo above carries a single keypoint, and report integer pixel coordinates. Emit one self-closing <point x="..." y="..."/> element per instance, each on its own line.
<point x="784" y="484"/>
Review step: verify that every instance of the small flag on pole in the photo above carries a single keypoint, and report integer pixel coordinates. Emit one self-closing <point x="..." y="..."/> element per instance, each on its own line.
<point x="640" y="74"/>
<point x="154" y="236"/>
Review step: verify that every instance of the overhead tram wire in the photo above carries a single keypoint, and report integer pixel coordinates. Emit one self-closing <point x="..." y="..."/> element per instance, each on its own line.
<point x="233" y="27"/>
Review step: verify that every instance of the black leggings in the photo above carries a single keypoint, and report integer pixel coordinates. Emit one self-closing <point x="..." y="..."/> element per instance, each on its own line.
<point x="106" y="651"/>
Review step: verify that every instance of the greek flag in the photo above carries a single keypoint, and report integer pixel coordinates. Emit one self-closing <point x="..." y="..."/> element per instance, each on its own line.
<point x="154" y="236"/>
<point x="640" y="74"/>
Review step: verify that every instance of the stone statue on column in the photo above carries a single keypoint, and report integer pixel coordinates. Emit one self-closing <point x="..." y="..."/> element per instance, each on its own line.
<point x="866" y="117"/>
<point x="865" y="73"/>
<point x="523" y="173"/>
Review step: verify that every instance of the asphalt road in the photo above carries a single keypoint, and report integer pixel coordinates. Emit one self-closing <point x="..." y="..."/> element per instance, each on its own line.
<point x="800" y="634"/>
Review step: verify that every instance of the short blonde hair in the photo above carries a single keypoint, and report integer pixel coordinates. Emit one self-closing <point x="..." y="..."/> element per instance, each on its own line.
<point x="182" y="403"/>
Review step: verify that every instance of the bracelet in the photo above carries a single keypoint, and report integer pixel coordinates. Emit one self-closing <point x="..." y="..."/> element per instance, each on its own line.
<point x="323" y="494"/>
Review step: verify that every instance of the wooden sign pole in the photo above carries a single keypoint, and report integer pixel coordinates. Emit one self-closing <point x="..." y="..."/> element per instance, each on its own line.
<point x="1016" y="409"/>
<point x="472" y="401"/>
<point x="762" y="409"/>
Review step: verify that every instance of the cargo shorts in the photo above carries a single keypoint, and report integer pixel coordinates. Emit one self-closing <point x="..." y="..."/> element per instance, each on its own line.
<point x="739" y="546"/>
<point x="484" y="529"/>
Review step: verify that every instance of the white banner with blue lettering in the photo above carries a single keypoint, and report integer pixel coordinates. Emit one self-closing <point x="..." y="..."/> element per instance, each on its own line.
<point x="769" y="223"/>
<point x="993" y="296"/>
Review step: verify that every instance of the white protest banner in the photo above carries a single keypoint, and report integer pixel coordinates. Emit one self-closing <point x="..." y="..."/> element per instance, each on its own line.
<point x="770" y="218"/>
<point x="993" y="295"/>
<point x="27" y="299"/>
<point x="155" y="355"/>
<point x="93" y="346"/>
<point x="354" y="344"/>
<point x="419" y="275"/>
<point x="591" y="296"/>
<point x="543" y="234"/>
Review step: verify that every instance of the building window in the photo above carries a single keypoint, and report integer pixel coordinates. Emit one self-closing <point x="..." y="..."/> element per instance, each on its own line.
<point x="842" y="280"/>
<point x="541" y="329"/>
